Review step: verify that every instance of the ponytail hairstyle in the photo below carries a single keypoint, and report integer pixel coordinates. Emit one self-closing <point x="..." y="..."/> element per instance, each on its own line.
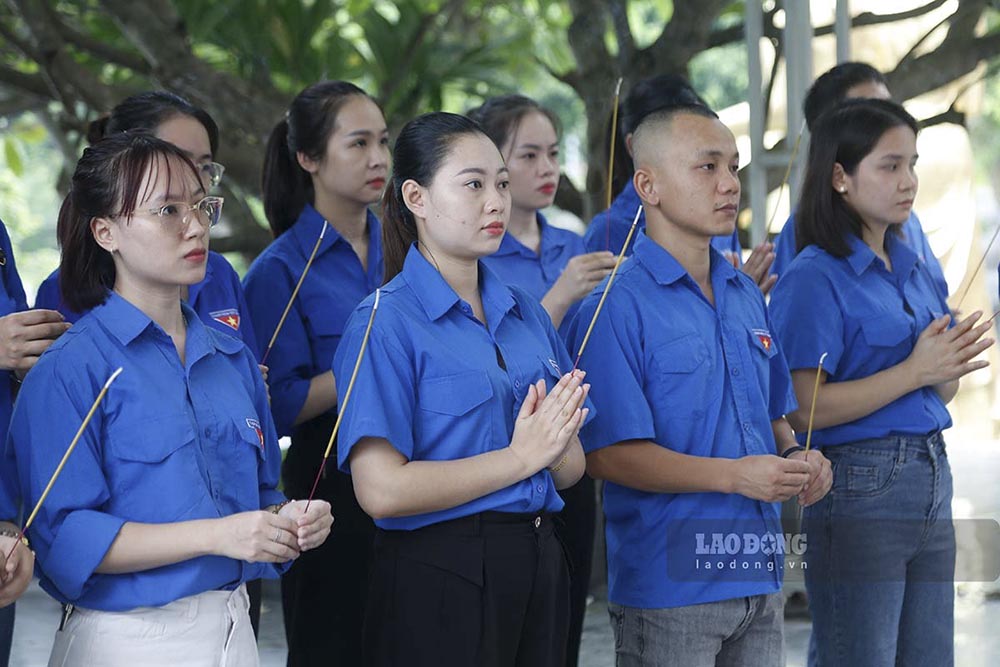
<point x="147" y="111"/>
<point x="306" y="129"/>
<point x="666" y="92"/>
<point x="110" y="181"/>
<point x="422" y="145"/>
<point x="500" y="117"/>
<point x="844" y="135"/>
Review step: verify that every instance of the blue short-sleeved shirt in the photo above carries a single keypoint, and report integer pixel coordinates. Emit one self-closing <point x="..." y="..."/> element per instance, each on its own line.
<point x="12" y="300"/>
<point x="913" y="234"/>
<point x="668" y="367"/>
<point x="866" y="319"/>
<point x="170" y="442"/>
<point x="336" y="283"/>
<point x="619" y="218"/>
<point x="518" y="265"/>
<point x="218" y="300"/>
<point x="439" y="385"/>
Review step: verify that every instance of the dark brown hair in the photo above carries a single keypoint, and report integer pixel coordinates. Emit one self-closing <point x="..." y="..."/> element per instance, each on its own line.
<point x="108" y="182"/>
<point x="421" y="147"/>
<point x="500" y="117"/>
<point x="844" y="135"/>
<point x="306" y="128"/>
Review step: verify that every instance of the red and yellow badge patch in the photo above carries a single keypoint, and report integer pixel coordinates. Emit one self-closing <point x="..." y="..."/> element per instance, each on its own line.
<point x="255" y="425"/>
<point x="230" y="317"/>
<point x="764" y="336"/>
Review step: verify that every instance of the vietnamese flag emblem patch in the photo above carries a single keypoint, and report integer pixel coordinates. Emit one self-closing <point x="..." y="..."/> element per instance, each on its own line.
<point x="255" y="425"/>
<point x="229" y="317"/>
<point x="764" y="337"/>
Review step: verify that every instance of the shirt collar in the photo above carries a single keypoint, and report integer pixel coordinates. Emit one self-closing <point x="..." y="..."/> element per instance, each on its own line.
<point x="123" y="320"/>
<point x="437" y="297"/>
<point x="126" y="323"/>
<point x="902" y="257"/>
<point x="309" y="226"/>
<point x="666" y="270"/>
<point x="511" y="246"/>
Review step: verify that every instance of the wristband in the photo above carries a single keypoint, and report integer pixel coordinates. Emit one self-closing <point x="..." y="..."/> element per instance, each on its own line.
<point x="559" y="466"/>
<point x="14" y="534"/>
<point x="791" y="450"/>
<point x="275" y="509"/>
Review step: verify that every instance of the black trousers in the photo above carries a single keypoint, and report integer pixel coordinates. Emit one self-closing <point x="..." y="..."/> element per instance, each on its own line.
<point x="323" y="594"/>
<point x="575" y="527"/>
<point x="489" y="590"/>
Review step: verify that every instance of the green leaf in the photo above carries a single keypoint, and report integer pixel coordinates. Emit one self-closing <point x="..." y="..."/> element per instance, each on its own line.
<point x="12" y="155"/>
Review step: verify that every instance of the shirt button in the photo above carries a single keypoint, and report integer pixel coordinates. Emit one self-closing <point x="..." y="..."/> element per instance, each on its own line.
<point x="208" y="431"/>
<point x="747" y="427"/>
<point x="517" y="384"/>
<point x="736" y="371"/>
<point x="540" y="488"/>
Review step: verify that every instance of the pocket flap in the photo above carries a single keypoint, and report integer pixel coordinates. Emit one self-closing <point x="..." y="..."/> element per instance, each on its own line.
<point x="251" y="432"/>
<point x="681" y="355"/>
<point x="151" y="440"/>
<point x="455" y="394"/>
<point x="885" y="330"/>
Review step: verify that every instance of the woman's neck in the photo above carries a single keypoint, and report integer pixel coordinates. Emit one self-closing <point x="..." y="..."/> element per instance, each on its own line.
<point x="874" y="237"/>
<point x="348" y="217"/>
<point x="162" y="305"/>
<point x="462" y="275"/>
<point x="523" y="226"/>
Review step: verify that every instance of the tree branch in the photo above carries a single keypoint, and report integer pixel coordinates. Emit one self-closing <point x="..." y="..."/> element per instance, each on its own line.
<point x="735" y="33"/>
<point x="32" y="84"/>
<point x="953" y="59"/>
<point x="682" y="38"/>
<point x="423" y="30"/>
<point x="952" y="115"/>
<point x="623" y="33"/>
<point x="95" y="47"/>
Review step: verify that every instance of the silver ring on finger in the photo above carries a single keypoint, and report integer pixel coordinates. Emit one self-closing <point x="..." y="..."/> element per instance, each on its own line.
<point x="277" y="536"/>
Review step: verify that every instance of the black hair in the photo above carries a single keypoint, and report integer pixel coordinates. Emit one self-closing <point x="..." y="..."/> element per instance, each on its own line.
<point x="844" y="135"/>
<point x="147" y="111"/>
<point x="500" y="117"/>
<point x="423" y="144"/>
<point x="306" y="129"/>
<point x="831" y="88"/>
<point x="666" y="91"/>
<point x="107" y="182"/>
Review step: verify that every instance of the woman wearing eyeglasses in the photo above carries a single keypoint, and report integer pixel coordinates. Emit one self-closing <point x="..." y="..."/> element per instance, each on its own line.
<point x="168" y="503"/>
<point x="218" y="299"/>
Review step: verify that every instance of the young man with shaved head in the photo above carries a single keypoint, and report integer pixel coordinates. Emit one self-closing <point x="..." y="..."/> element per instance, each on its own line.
<point x="690" y="435"/>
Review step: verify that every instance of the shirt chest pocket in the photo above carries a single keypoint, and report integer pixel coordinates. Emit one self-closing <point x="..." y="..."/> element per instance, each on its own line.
<point x="152" y="469"/>
<point x="886" y="331"/>
<point x="454" y="419"/>
<point x="241" y="450"/>
<point x="679" y="382"/>
<point x="327" y="315"/>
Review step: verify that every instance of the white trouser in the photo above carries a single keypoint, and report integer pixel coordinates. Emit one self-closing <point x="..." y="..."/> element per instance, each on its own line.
<point x="211" y="629"/>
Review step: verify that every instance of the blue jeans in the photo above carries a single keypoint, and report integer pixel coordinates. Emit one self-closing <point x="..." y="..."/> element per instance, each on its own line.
<point x="742" y="632"/>
<point x="881" y="556"/>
